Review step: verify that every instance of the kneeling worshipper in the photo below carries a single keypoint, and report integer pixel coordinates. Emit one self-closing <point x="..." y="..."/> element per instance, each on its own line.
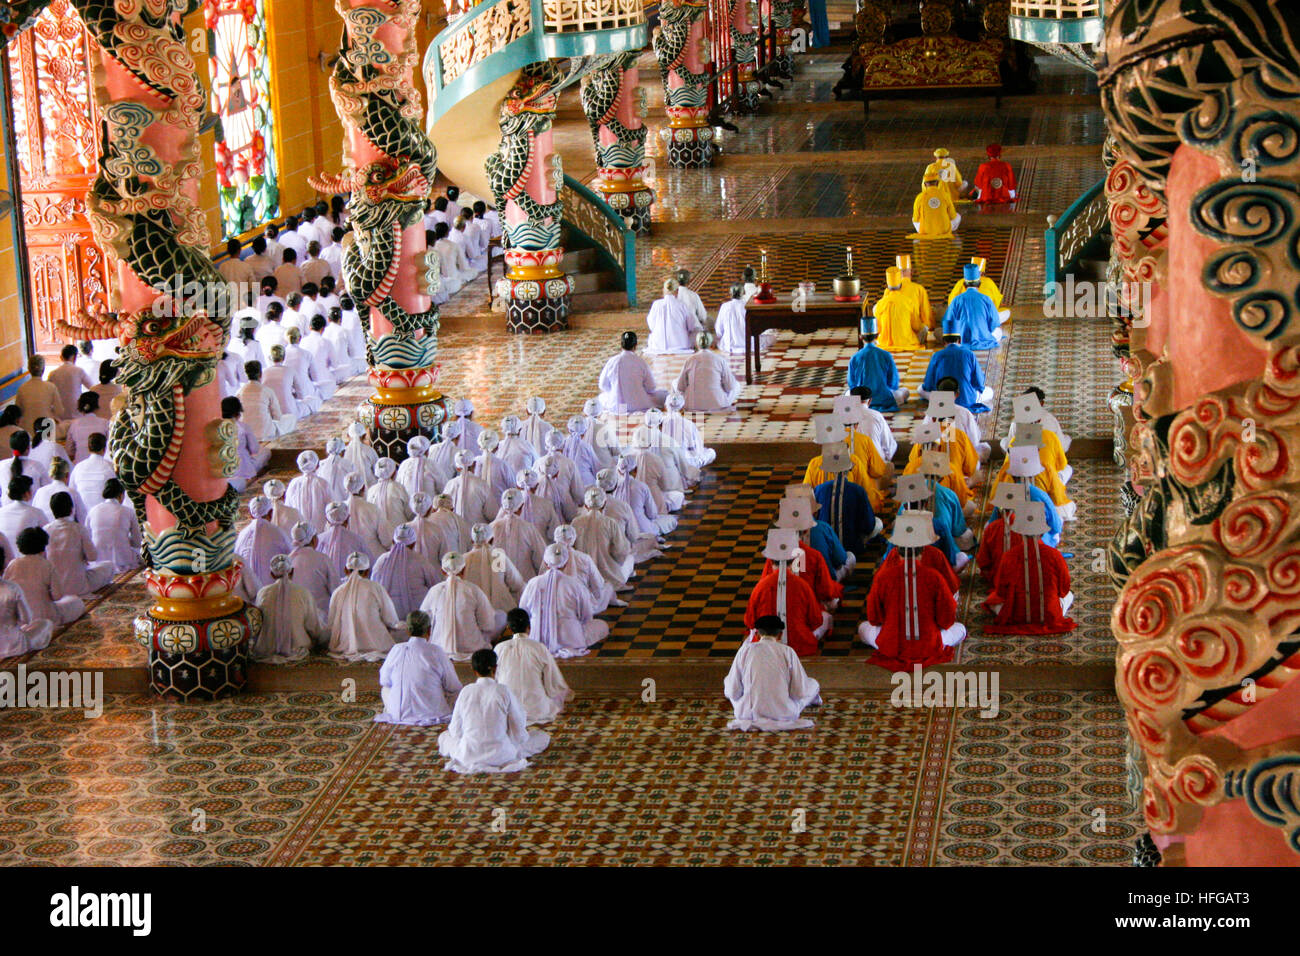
<point x="930" y="557"/>
<point x="783" y="593"/>
<point x="898" y="316"/>
<point x="795" y="514"/>
<point x="985" y="285"/>
<point x="957" y="362"/>
<point x="1031" y="589"/>
<point x="365" y="520"/>
<point x="963" y="419"/>
<point x="672" y="324"/>
<point x="821" y="536"/>
<point x="541" y="512"/>
<point x="658" y="474"/>
<point x="568" y="477"/>
<point x="404" y="572"/>
<point x="257" y="544"/>
<point x="582" y="567"/>
<point x="359" y="454"/>
<point x="1025" y="462"/>
<point x="644" y="544"/>
<point x="636" y="494"/>
<point x="602" y="439"/>
<point x="578" y="450"/>
<point x="944" y="411"/>
<point x="857" y="431"/>
<point x="920" y="298"/>
<point x="471" y="497"/>
<point x="649" y="434"/>
<point x="706" y="380"/>
<point x="927" y="440"/>
<point x="519" y="539"/>
<point x="20" y="632"/>
<point x="18" y="513"/>
<point x="516" y="451"/>
<point x="829" y="432"/>
<point x="529" y="670"/>
<point x="911" y="613"/>
<point x="489" y="731"/>
<point x="973" y="314"/>
<point x="555" y="486"/>
<point x="492" y="570"/>
<point x="933" y="212"/>
<point x="560" y="608"/>
<point x="362" y="619"/>
<point x="730" y="324"/>
<point x="1030" y="418"/>
<point x="390" y="497"/>
<point x="684" y="433"/>
<point x="995" y="181"/>
<point x="844" y="504"/>
<point x="115" y="529"/>
<point x="489" y="466"/>
<point x="32" y="572"/>
<point x="452" y="530"/>
<point x="995" y="541"/>
<point x="856" y="404"/>
<point x="416" y="474"/>
<point x="767" y="686"/>
<point x="602" y="537"/>
<point x="535" y="426"/>
<point x="417" y="681"/>
<point x="72" y="553"/>
<point x="337" y="541"/>
<point x="917" y="493"/>
<point x="1043" y="417"/>
<point x="313" y="570"/>
<point x="461" y="617"/>
<point x="690" y="298"/>
<point x="283" y="516"/>
<point x="463" y="409"/>
<point x="309" y="493"/>
<point x="626" y="382"/>
<point x="871" y="367"/>
<point x="291" y="620"/>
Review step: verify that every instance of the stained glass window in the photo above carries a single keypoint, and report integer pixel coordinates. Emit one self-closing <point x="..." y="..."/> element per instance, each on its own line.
<point x="241" y="97"/>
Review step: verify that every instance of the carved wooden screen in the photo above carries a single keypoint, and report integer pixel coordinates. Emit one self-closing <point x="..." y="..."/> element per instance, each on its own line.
<point x="723" y="87"/>
<point x="241" y="95"/>
<point x="57" y="131"/>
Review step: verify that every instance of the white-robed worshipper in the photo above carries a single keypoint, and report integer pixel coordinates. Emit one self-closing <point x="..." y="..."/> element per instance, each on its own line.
<point x="1041" y="416"/>
<point x="961" y="417"/>
<point x="1027" y="410"/>
<point x="365" y="520"/>
<point x="561" y="608"/>
<point x="568" y="470"/>
<point x="681" y="470"/>
<point x="730" y="324"/>
<point x="59" y="474"/>
<point x="462" y="619"/>
<point x="21" y="632"/>
<point x="601" y="537"/>
<point x="489" y="731"/>
<point x="18" y="514"/>
<point x="404" y="572"/>
<point x="706" y="379"/>
<point x="115" y="529"/>
<point x="22" y="463"/>
<point x="492" y="570"/>
<point x="258" y="543"/>
<point x="683" y="433"/>
<point x="470" y="493"/>
<point x="515" y="450"/>
<point x="535" y="427"/>
<point x="391" y="498"/>
<point x="427" y="540"/>
<point x="89" y="475"/>
<point x="581" y="566"/>
<point x="659" y="476"/>
<point x="33" y="573"/>
<point x="263" y="412"/>
<point x="672" y="325"/>
<point x="77" y="565"/>
<point x="87" y="423"/>
<point x="537" y="509"/>
<point x="341" y="342"/>
<point x="454" y="267"/>
<point x="580" y="452"/>
<point x="416" y="474"/>
<point x="309" y="493"/>
<point x="325" y="362"/>
<point x="555" y="485"/>
<point x="517" y="537"/>
<point x="292" y="623"/>
<point x="870" y="422"/>
<point x="359" y="454"/>
<point x="283" y="516"/>
<point x="45" y="448"/>
<point x="452" y="530"/>
<point x="529" y="670"/>
<point x="636" y="494"/>
<point x="442" y="456"/>
<point x="767" y="685"/>
<point x="490" y="466"/>
<point x="362" y="620"/>
<point x="335" y="468"/>
<point x="417" y="681"/>
<point x="462" y="410"/>
<point x="312" y="569"/>
<point x="690" y="298"/>
<point x="644" y="544"/>
<point x="337" y="542"/>
<point x="626" y="382"/>
<point x="601" y="438"/>
<point x="252" y="456"/>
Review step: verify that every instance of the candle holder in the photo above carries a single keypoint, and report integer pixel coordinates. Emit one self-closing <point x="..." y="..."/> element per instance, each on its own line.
<point x="846" y="285"/>
<point x="765" y="294"/>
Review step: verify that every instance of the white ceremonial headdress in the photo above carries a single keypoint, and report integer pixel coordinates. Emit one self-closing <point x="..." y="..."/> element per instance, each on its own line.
<point x="913" y="529"/>
<point x="512" y="499"/>
<point x="827" y="429"/>
<point x="421" y="502"/>
<point x="526" y="478"/>
<point x="273" y="488"/>
<point x="453" y="562"/>
<point x="911" y="489"/>
<point x="464" y="458"/>
<point x="308" y="461"/>
<point x="942" y="405"/>
<point x="405" y="534"/>
<point x="358" y="561"/>
<point x="336" y="446"/>
<point x="554" y="442"/>
<point x="556" y="556"/>
<point x="1029" y="435"/>
<point x="353" y="483"/>
<point x="480" y="533"/>
<point x="336" y="512"/>
<point x="675" y="401"/>
<point x="511" y="425"/>
<point x="565" y="534"/>
<point x="594" y="498"/>
<point x="357" y="430"/>
<point x="385" y="468"/>
<point x="782" y="544"/>
<point x="462" y="408"/>
<point x="1025" y="462"/>
<point x="1030" y="519"/>
<point x="935" y="464"/>
<point x="836" y="459"/>
<point x="259" y="506"/>
<point x="577" y="425"/>
<point x="1027" y="409"/>
<point x="302" y="533"/>
<point x="488" y="440"/>
<point x="926" y="432"/>
<point x="795" y="514"/>
<point x="442" y="500"/>
<point x="1010" y="495"/>
<point x="418" y="446"/>
<point x="536" y="405"/>
<point x="280" y="565"/>
<point x="606" y="479"/>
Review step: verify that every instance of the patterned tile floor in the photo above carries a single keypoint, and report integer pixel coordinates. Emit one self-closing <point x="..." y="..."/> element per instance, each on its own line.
<point x="306" y="779"/>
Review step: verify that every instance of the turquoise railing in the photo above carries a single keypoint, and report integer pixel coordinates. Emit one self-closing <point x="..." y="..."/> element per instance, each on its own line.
<point x="588" y="215"/>
<point x="1068" y="235"/>
<point x="1057" y="21"/>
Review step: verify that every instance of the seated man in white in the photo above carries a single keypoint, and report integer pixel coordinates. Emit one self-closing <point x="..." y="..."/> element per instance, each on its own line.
<point x="362" y="618"/>
<point x="32" y="572"/>
<point x="72" y="553"/>
<point x="706" y="380"/>
<point x="462" y="619"/>
<point x="418" y="682"/>
<point x="89" y="475"/>
<point x="530" y="671"/>
<point x="730" y="324"/>
<point x="489" y="731"/>
<point x="20" y="632"/>
<point x="291" y="622"/>
<point x="672" y="325"/>
<point x="626" y="382"/>
<point x="404" y="572"/>
<point x="115" y="529"/>
<point x="767" y="685"/>
<point x="560" y="608"/>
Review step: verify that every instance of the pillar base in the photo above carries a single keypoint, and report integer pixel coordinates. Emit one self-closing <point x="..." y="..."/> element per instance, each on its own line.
<point x="689" y="147"/>
<point x="633" y="206"/>
<point x="746" y="98"/>
<point x="532" y="316"/>
<point x="199" y="659"/>
<point x="405" y="404"/>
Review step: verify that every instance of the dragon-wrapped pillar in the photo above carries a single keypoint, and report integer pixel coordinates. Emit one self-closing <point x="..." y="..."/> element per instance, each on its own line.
<point x="744" y="47"/>
<point x="783" y="25"/>
<point x="526" y="176"/>
<point x="614" y="102"/>
<point x="171" y="315"/>
<point x="1203" y="100"/>
<point x="682" y="47"/>
<point x="390" y="165"/>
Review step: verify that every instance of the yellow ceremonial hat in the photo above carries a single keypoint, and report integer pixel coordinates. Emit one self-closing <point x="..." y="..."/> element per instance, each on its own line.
<point x="932" y="173"/>
<point x="940" y="153"/>
<point x="903" y="262"/>
<point x="982" y="263"/>
<point x="894" y="277"/>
